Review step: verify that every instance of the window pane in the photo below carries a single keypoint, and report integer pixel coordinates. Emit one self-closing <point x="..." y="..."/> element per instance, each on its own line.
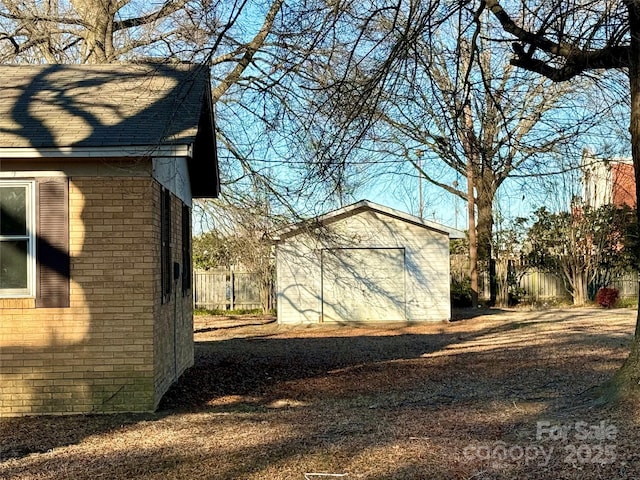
<point x="13" y="211"/>
<point x="13" y="264"/>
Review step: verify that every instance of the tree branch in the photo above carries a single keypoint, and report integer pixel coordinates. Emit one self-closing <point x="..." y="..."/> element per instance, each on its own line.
<point x="579" y="62"/>
<point x="33" y="19"/>
<point x="252" y="47"/>
<point x="167" y="9"/>
<point x="16" y="46"/>
<point x="576" y="59"/>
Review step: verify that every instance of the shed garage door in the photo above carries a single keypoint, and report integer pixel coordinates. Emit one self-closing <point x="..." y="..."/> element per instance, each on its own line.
<point x="363" y="284"/>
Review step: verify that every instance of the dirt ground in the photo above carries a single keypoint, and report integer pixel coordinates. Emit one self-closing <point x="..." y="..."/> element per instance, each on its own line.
<point x="493" y="395"/>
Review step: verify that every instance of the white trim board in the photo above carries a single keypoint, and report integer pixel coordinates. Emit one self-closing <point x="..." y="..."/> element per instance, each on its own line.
<point x="90" y="152"/>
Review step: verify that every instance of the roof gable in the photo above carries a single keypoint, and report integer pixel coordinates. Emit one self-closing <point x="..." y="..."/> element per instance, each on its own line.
<point x="54" y="109"/>
<point x="362" y="206"/>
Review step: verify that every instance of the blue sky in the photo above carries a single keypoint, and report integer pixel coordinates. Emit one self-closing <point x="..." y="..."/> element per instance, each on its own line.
<point x="270" y="152"/>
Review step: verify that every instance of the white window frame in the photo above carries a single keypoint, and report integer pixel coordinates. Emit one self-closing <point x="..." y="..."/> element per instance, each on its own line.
<point x="30" y="237"/>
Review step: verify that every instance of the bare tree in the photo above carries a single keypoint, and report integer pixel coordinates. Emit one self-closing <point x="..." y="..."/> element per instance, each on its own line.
<point x="239" y="237"/>
<point x="106" y="31"/>
<point x="485" y="121"/>
<point x="255" y="51"/>
<point x="426" y="91"/>
<point x="564" y="40"/>
<point x="86" y="31"/>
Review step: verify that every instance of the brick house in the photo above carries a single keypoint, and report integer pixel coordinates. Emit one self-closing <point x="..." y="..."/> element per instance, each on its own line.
<point x="98" y="168"/>
<point x="608" y="181"/>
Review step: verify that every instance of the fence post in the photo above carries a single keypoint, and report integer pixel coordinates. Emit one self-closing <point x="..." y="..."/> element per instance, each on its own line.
<point x="223" y="289"/>
<point x="233" y="289"/>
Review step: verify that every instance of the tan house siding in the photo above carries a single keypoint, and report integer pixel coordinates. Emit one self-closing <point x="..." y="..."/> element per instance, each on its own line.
<point x="173" y="330"/>
<point x="87" y="321"/>
<point x="98" y="355"/>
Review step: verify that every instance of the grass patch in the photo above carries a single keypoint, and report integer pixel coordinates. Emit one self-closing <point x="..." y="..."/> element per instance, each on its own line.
<point x="627" y="302"/>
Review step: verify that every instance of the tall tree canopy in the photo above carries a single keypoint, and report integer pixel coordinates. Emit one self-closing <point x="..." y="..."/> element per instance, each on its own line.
<point x="480" y="118"/>
<point x="259" y="52"/>
<point x="412" y="88"/>
<point x="564" y="40"/>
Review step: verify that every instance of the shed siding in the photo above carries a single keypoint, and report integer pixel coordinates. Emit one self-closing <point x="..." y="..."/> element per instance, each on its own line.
<point x="363" y="284"/>
<point x="299" y="276"/>
<point x="426" y="265"/>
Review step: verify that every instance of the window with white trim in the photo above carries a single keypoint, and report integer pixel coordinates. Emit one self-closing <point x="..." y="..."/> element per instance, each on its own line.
<point x="17" y="242"/>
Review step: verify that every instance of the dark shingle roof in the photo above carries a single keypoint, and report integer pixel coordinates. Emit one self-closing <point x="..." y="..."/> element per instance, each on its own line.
<point x="115" y="105"/>
<point x="44" y="106"/>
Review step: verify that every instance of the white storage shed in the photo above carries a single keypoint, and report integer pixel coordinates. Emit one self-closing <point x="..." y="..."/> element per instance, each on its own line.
<point x="364" y="263"/>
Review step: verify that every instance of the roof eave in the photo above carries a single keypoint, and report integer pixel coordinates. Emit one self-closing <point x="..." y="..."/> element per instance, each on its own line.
<point x="97" y="152"/>
<point x="366" y="205"/>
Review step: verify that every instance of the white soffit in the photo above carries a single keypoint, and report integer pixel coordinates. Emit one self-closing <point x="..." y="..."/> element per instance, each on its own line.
<point x="98" y="152"/>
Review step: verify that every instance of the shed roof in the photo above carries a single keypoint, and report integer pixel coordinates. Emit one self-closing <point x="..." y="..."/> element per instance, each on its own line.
<point x="362" y="206"/>
<point x="70" y="110"/>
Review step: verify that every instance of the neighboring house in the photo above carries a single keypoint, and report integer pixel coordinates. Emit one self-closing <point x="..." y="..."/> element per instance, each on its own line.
<point x="608" y="182"/>
<point x="363" y="263"/>
<point x="98" y="167"/>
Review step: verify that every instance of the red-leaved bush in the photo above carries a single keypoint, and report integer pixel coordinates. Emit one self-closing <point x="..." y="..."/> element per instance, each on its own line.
<point x="607" y="297"/>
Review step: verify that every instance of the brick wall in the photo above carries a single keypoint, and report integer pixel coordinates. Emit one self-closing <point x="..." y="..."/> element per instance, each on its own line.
<point x="623" y="185"/>
<point x="173" y="348"/>
<point x="99" y="355"/>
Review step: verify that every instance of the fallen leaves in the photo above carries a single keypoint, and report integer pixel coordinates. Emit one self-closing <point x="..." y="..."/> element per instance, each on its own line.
<point x="390" y="401"/>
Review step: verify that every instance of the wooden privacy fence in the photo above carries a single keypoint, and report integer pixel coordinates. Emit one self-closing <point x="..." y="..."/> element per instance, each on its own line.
<point x="627" y="285"/>
<point x="232" y="290"/>
<point x="545" y="286"/>
<point x="226" y="290"/>
<point x="541" y="286"/>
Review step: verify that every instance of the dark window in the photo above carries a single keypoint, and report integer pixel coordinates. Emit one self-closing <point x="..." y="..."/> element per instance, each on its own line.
<point x="165" y="247"/>
<point x="14" y="266"/>
<point x="16" y="238"/>
<point x="186" y="249"/>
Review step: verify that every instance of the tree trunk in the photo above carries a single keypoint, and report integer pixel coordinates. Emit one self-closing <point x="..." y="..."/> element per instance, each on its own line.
<point x="98" y="39"/>
<point x="472" y="153"/>
<point x="502" y="282"/>
<point x="634" y="127"/>
<point x="634" y="82"/>
<point x="473" y="241"/>
<point x="626" y="382"/>
<point x="485" y="232"/>
<point x="579" y="288"/>
<point x="485" y="224"/>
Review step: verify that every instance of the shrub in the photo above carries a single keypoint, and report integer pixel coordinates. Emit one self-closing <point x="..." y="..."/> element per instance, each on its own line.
<point x="241" y="311"/>
<point x="516" y="295"/>
<point x="607" y="297"/>
<point x="627" y="302"/>
<point x="461" y="293"/>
